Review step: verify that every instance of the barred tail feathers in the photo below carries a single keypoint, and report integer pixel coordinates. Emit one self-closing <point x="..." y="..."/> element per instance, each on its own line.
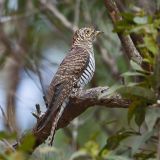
<point x="55" y="122"/>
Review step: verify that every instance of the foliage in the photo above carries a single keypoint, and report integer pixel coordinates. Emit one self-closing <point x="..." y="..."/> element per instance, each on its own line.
<point x="140" y="83"/>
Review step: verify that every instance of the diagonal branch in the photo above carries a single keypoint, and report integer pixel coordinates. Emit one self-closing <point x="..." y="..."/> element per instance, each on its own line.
<point x="49" y="6"/>
<point x="127" y="43"/>
<point x="77" y="105"/>
<point x="77" y="12"/>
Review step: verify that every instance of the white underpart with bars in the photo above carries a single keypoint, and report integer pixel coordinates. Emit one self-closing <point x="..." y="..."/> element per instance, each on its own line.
<point x="88" y="72"/>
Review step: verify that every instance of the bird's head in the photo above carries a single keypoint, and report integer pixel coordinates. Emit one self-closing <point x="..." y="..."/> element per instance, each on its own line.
<point x="85" y="35"/>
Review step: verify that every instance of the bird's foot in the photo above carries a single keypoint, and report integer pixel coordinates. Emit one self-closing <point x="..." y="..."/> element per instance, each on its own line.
<point x="38" y="114"/>
<point x="76" y="92"/>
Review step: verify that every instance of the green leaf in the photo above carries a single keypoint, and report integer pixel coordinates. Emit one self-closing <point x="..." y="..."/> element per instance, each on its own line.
<point x="5" y="135"/>
<point x="131" y="84"/>
<point x="3" y="156"/>
<point x="121" y="26"/>
<point x="22" y="5"/>
<point x="150" y="44"/>
<point x="92" y="148"/>
<point x="145" y="156"/>
<point x="79" y="155"/>
<point x="152" y="114"/>
<point x="132" y="110"/>
<point x="140" y="114"/>
<point x="140" y="140"/>
<point x="132" y="74"/>
<point x="156" y="75"/>
<point x="137" y="109"/>
<point x="114" y="140"/>
<point x="35" y="3"/>
<point x="140" y="20"/>
<point x="128" y="16"/>
<point x="117" y="157"/>
<point x="136" y="66"/>
<point x="137" y="91"/>
<point x="27" y="142"/>
<point x="3" y="59"/>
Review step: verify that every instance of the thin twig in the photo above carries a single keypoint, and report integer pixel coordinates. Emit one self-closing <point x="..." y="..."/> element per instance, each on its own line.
<point x="37" y="68"/>
<point x="6" y="123"/>
<point x="6" y="19"/>
<point x="76" y="12"/>
<point x="49" y="6"/>
<point x="9" y="145"/>
<point x="86" y="12"/>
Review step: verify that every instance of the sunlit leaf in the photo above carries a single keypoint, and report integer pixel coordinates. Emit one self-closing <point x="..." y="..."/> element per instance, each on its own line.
<point x="150" y="43"/>
<point x="140" y="20"/>
<point x="80" y="155"/>
<point x="131" y="84"/>
<point x="136" y="66"/>
<point x="92" y="148"/>
<point x="17" y="156"/>
<point x="132" y="74"/>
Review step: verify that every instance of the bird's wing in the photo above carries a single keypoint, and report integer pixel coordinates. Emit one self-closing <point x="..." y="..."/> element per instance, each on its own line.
<point x="69" y="72"/>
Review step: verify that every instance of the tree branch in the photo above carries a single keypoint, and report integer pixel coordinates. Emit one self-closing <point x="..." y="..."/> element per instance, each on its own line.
<point x="13" y="66"/>
<point x="49" y="6"/>
<point x="77" y="12"/>
<point x="77" y="105"/>
<point x="127" y="43"/>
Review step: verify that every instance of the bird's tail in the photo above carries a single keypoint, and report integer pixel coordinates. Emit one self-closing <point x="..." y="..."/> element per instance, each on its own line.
<point x="55" y="122"/>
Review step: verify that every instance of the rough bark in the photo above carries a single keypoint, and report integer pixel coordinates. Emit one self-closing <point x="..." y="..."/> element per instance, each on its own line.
<point x="126" y="41"/>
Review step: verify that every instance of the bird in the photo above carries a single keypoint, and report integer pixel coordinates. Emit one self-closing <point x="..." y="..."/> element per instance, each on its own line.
<point x="75" y="72"/>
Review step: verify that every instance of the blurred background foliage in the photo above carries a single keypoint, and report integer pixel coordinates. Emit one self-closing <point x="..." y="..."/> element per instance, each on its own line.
<point x="35" y="35"/>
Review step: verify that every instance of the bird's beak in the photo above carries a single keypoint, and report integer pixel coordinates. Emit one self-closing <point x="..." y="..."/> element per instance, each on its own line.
<point x="98" y="32"/>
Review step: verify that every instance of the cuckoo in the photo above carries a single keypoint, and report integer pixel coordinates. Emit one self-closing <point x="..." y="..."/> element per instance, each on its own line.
<point x="74" y="72"/>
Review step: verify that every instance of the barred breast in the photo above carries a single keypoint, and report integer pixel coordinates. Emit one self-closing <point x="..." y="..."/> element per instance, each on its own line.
<point x="88" y="72"/>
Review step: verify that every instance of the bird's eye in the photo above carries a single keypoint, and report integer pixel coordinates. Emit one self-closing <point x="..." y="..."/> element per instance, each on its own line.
<point x="87" y="33"/>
